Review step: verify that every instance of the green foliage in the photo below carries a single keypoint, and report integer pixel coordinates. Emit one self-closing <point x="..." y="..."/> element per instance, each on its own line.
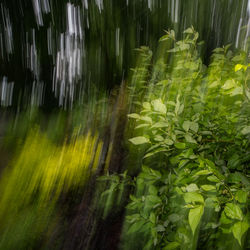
<point x="36" y="178"/>
<point x="193" y="122"/>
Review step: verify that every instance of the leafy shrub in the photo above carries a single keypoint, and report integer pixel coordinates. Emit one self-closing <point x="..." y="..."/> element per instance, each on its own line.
<point x="193" y="122"/>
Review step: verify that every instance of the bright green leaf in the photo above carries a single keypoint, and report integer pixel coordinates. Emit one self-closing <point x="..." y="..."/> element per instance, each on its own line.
<point x="213" y="178"/>
<point x="159" y="106"/>
<point x="186" y="125"/>
<point x="146" y="105"/>
<point x="192" y="187"/>
<point x="194" y="217"/>
<point x="146" y="119"/>
<point x="192" y="197"/>
<point x="238" y="67"/>
<point x="189" y="31"/>
<point x="134" y="115"/>
<point x="245" y="130"/>
<point x="180" y="145"/>
<point x="229" y="84"/>
<point x="160" y="125"/>
<point x="233" y="211"/>
<point x="241" y="196"/>
<point x="238" y="229"/>
<point x="139" y="140"/>
<point x="202" y="172"/>
<point x="208" y="187"/>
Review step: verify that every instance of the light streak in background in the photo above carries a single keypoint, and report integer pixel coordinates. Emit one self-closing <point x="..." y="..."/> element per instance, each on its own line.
<point x="69" y="62"/>
<point x="75" y="64"/>
<point x="6" y="92"/>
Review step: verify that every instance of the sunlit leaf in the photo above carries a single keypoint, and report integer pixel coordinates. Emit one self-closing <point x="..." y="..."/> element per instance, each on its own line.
<point x="208" y="187"/>
<point x="134" y="115"/>
<point x="192" y="197"/>
<point x="245" y="130"/>
<point x="189" y="31"/>
<point x="229" y="84"/>
<point x="194" y="217"/>
<point x="213" y="178"/>
<point x="159" y="106"/>
<point x="192" y="187"/>
<point x="139" y="140"/>
<point x="238" y="67"/>
<point x="233" y="211"/>
<point x="146" y="105"/>
<point x="160" y="125"/>
<point x="238" y="229"/>
<point x="241" y="196"/>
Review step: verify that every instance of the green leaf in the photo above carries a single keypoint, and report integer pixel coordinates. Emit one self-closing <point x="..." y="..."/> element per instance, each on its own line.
<point x="229" y="84"/>
<point x="160" y="228"/>
<point x="233" y="211"/>
<point x="184" y="46"/>
<point x="189" y="31"/>
<point x="139" y="140"/>
<point x="159" y="106"/>
<point x="152" y="217"/>
<point x="172" y="245"/>
<point x="174" y="218"/>
<point x="192" y="197"/>
<point x="224" y="219"/>
<point x="236" y="91"/>
<point x="136" y="227"/>
<point x="171" y="103"/>
<point x="190" y="139"/>
<point x="158" y="138"/>
<point x="146" y="119"/>
<point x="238" y="229"/>
<point x="202" y="172"/>
<point x="214" y="84"/>
<point x="238" y="67"/>
<point x="192" y="187"/>
<point x="186" y="125"/>
<point x="194" y="126"/>
<point x="142" y="125"/>
<point x="194" y="217"/>
<point x="164" y="38"/>
<point x="168" y="142"/>
<point x="180" y="145"/>
<point x="134" y="116"/>
<point x="245" y="130"/>
<point x="181" y="109"/>
<point x="152" y="190"/>
<point x="241" y="196"/>
<point x="213" y="178"/>
<point x="154" y="152"/>
<point x="208" y="187"/>
<point x="146" y="105"/>
<point x="153" y="198"/>
<point x="160" y="125"/>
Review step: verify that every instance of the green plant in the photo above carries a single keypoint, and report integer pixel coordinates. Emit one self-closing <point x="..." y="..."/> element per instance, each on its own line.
<point x="194" y="125"/>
